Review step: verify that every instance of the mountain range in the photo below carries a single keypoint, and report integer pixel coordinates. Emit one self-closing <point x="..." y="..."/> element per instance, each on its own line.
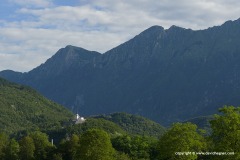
<point x="167" y="75"/>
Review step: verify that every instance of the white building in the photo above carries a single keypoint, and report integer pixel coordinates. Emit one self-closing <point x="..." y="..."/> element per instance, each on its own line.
<point x="78" y="119"/>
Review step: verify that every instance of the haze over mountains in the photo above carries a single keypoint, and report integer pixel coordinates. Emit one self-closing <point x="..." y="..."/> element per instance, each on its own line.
<point x="167" y="75"/>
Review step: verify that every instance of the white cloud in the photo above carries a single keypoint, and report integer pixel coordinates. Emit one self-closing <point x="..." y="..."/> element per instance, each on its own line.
<point x="27" y="48"/>
<point x="97" y="25"/>
<point x="187" y="13"/>
<point x="32" y="3"/>
<point x="19" y="62"/>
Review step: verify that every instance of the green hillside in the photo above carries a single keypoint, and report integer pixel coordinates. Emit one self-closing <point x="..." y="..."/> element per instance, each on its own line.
<point x="134" y="124"/>
<point x="96" y="123"/>
<point x="22" y="108"/>
<point x="203" y="122"/>
<point x="115" y="124"/>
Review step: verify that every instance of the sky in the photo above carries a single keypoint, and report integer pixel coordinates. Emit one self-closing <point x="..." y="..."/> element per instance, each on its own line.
<point x="31" y="31"/>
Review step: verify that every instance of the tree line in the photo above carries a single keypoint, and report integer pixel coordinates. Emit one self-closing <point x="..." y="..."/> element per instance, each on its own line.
<point x="182" y="141"/>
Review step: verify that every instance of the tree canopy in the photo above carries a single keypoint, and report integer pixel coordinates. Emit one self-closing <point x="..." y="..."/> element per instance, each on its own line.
<point x="95" y="144"/>
<point x="180" y="141"/>
<point x="182" y="137"/>
<point x="226" y="131"/>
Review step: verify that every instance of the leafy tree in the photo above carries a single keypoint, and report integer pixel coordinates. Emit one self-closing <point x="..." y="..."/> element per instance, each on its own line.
<point x="140" y="148"/>
<point x="95" y="144"/>
<point x="137" y="147"/>
<point x="12" y="150"/>
<point x="122" y="144"/>
<point x="57" y="156"/>
<point x="182" y="137"/>
<point x="74" y="144"/>
<point x="153" y="152"/>
<point x="96" y="123"/>
<point x="121" y="156"/>
<point x="135" y="124"/>
<point x="68" y="148"/>
<point x="42" y="145"/>
<point x="3" y="144"/>
<point x="27" y="148"/>
<point x="226" y="132"/>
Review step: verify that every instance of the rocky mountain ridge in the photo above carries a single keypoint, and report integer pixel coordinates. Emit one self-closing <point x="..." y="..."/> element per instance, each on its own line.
<point x="164" y="74"/>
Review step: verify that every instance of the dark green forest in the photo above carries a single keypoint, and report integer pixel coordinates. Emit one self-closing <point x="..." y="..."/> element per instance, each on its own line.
<point x="100" y="139"/>
<point x="23" y="108"/>
<point x="35" y="128"/>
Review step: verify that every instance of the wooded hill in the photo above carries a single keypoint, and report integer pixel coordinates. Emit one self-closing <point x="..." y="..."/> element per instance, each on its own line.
<point x="22" y="108"/>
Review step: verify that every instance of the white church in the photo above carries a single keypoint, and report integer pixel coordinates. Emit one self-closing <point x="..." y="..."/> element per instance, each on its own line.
<point x="78" y="119"/>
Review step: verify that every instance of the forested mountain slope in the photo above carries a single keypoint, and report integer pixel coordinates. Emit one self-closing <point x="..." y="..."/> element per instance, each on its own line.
<point x="22" y="108"/>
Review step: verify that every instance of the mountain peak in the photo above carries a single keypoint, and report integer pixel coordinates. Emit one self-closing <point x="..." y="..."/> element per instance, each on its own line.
<point x="155" y="27"/>
<point x="176" y="28"/>
<point x="65" y="58"/>
<point x="152" y="30"/>
<point x="71" y="47"/>
<point x="232" y="22"/>
<point x="72" y="53"/>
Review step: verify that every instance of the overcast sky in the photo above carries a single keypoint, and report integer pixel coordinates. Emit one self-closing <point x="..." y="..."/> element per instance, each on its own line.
<point x="31" y="31"/>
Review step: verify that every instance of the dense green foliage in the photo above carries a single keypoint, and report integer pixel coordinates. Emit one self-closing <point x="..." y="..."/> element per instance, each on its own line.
<point x="3" y="144"/>
<point x="185" y="139"/>
<point x="69" y="148"/>
<point x="202" y="122"/>
<point x="90" y="123"/>
<point x="22" y="108"/>
<point x="95" y="145"/>
<point x="27" y="148"/>
<point x="42" y="145"/>
<point x="137" y="147"/>
<point x="115" y="124"/>
<point x="181" y="141"/>
<point x="135" y="124"/>
<point x="226" y="131"/>
<point x="117" y="136"/>
<point x="12" y="150"/>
